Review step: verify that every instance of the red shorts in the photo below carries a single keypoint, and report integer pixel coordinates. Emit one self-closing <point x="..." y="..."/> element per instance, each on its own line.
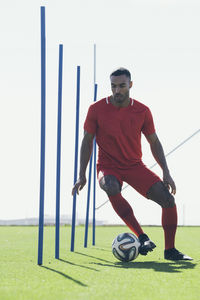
<point x="138" y="176"/>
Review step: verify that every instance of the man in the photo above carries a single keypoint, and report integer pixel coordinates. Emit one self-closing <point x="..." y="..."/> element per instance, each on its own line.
<point x="117" y="122"/>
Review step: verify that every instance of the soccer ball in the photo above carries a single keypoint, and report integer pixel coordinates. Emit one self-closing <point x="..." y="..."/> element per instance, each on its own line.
<point x="125" y="247"/>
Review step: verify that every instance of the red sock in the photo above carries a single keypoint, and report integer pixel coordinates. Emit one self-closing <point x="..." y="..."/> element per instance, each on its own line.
<point x="169" y="224"/>
<point x="125" y="212"/>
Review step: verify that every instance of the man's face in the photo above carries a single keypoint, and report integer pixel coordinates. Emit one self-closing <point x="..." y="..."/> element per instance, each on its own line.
<point x="120" y="86"/>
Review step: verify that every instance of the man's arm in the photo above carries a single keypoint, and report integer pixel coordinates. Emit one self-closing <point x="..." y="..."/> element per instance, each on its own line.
<point x="158" y="153"/>
<point x="85" y="153"/>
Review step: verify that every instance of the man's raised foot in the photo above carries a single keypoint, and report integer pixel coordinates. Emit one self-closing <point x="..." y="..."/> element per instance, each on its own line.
<point x="146" y="244"/>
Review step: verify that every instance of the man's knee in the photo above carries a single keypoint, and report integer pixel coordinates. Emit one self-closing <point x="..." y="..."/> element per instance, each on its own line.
<point x="169" y="201"/>
<point x="110" y="185"/>
<point x="161" y="195"/>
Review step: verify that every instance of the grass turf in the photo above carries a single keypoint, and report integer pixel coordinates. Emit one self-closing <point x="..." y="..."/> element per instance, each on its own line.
<point x="93" y="272"/>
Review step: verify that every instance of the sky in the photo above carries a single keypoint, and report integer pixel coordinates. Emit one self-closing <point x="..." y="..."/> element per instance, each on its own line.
<point x="156" y="40"/>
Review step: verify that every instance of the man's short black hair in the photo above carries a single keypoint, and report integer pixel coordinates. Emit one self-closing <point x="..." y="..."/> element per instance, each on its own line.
<point x="121" y="71"/>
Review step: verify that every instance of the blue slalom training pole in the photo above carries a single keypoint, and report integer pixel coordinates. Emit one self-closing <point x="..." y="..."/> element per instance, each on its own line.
<point x="88" y="203"/>
<point x="42" y="153"/>
<point x="76" y="158"/>
<point x="57" y="232"/>
<point x="89" y="187"/>
<point x="94" y="181"/>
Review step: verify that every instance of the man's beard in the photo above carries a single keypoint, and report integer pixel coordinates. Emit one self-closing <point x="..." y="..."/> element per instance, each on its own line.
<point x="120" y="98"/>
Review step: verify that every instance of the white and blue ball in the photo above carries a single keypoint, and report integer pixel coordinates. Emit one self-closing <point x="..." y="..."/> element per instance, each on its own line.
<point x="125" y="247"/>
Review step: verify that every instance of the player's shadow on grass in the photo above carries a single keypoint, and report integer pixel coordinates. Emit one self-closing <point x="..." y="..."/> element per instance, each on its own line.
<point x="166" y="267"/>
<point x="65" y="275"/>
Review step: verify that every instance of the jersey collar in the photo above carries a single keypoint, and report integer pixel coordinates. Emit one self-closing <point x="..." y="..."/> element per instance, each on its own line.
<point x="108" y="101"/>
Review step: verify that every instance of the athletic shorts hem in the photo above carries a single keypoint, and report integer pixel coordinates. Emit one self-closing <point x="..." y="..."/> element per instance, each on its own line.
<point x="139" y="177"/>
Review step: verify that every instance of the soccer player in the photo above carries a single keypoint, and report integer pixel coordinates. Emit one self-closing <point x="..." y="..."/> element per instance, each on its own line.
<point x="117" y="122"/>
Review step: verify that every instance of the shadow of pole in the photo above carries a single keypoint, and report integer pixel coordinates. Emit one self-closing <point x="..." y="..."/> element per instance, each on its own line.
<point x="91" y="256"/>
<point x="76" y="265"/>
<point x="65" y="275"/>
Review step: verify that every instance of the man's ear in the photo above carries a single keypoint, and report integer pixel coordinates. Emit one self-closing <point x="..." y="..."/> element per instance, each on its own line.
<point x="130" y="84"/>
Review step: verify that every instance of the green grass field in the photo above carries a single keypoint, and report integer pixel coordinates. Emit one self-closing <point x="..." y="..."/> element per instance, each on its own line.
<point x="93" y="272"/>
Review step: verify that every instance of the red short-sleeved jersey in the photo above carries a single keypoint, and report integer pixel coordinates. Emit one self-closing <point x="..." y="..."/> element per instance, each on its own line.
<point x="118" y="131"/>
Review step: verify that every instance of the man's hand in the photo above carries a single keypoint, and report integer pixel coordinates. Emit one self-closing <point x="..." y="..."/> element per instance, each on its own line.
<point x="79" y="185"/>
<point x="169" y="182"/>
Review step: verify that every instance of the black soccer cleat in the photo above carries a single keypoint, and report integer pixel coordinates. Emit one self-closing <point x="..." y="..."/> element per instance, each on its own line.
<point x="174" y="254"/>
<point x="146" y="244"/>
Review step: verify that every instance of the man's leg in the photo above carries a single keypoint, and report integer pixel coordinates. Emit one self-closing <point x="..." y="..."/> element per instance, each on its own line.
<point x="112" y="187"/>
<point x="161" y="195"/>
